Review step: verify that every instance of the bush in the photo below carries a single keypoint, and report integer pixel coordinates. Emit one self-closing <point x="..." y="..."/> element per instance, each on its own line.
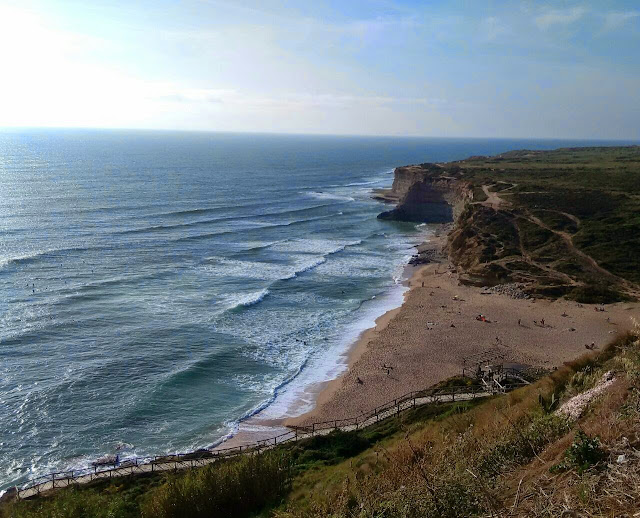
<point x="329" y="449"/>
<point x="232" y="488"/>
<point x="583" y="453"/>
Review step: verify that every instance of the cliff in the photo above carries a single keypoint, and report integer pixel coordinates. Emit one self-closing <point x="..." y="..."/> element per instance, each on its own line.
<point x="424" y="193"/>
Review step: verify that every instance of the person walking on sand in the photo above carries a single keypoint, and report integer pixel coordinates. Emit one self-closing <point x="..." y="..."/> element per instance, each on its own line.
<point x="519" y="320"/>
<point x="542" y="322"/>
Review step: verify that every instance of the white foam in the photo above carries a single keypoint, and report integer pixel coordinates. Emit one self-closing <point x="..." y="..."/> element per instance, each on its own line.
<point x="246" y="300"/>
<point x="225" y="268"/>
<point x="318" y="246"/>
<point x="328" y="363"/>
<point x="328" y="196"/>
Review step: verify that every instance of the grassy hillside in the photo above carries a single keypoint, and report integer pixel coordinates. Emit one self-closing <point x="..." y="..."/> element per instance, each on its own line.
<point x="563" y="222"/>
<point x="511" y="456"/>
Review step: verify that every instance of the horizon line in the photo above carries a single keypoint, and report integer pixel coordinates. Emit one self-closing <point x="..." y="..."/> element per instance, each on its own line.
<point x="302" y="134"/>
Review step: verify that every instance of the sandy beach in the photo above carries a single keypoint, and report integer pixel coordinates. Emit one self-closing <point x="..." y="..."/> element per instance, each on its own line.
<point x="427" y="339"/>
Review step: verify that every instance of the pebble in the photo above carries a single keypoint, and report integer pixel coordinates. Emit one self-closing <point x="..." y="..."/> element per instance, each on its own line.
<point x="512" y="290"/>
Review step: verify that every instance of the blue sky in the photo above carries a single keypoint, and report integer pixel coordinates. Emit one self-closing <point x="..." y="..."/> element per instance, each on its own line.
<point x="382" y="67"/>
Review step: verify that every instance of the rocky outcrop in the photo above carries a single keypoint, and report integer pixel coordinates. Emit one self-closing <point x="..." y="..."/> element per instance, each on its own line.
<point x="424" y="193"/>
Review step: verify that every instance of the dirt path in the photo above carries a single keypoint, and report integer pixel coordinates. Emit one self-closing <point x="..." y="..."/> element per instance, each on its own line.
<point x="493" y="200"/>
<point x="497" y="203"/>
<point x="566" y="237"/>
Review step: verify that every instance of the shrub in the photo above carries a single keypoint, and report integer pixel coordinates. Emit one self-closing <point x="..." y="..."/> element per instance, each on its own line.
<point x="583" y="453"/>
<point x="232" y="488"/>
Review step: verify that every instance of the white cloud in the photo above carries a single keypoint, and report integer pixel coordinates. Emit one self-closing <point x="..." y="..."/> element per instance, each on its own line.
<point x="559" y="17"/>
<point x="614" y="20"/>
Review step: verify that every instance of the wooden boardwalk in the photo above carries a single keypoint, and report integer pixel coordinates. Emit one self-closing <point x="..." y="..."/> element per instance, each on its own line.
<point x="203" y="457"/>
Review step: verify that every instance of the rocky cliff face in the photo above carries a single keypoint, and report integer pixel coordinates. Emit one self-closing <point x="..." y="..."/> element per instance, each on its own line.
<point x="424" y="193"/>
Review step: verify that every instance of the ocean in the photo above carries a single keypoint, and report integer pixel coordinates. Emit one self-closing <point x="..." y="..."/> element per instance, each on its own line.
<point x="156" y="288"/>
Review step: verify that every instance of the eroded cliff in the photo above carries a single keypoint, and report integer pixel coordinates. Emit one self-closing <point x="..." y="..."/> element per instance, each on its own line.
<point x="424" y="193"/>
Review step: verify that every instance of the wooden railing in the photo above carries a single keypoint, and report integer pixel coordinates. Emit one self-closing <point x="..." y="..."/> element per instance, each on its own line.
<point x="174" y="462"/>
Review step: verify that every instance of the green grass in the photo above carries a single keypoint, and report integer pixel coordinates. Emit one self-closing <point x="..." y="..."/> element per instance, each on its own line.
<point x="590" y="194"/>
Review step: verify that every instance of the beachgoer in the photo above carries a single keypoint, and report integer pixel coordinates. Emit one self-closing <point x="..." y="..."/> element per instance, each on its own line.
<point x="519" y="320"/>
<point x="542" y="322"/>
<point x="423" y="284"/>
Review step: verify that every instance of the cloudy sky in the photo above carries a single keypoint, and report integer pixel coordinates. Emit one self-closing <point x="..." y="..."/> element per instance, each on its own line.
<point x="519" y="68"/>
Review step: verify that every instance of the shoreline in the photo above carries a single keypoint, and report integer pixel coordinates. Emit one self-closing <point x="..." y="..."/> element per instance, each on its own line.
<point x="258" y="427"/>
<point x="426" y="339"/>
<point x="325" y="390"/>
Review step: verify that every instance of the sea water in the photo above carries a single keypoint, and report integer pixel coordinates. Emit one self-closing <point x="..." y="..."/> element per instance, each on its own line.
<point x="158" y="287"/>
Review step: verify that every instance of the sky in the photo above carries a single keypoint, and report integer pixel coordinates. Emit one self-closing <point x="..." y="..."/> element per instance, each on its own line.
<point x="519" y="68"/>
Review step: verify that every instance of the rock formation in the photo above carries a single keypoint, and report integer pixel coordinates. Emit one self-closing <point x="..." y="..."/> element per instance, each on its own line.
<point x="423" y="194"/>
